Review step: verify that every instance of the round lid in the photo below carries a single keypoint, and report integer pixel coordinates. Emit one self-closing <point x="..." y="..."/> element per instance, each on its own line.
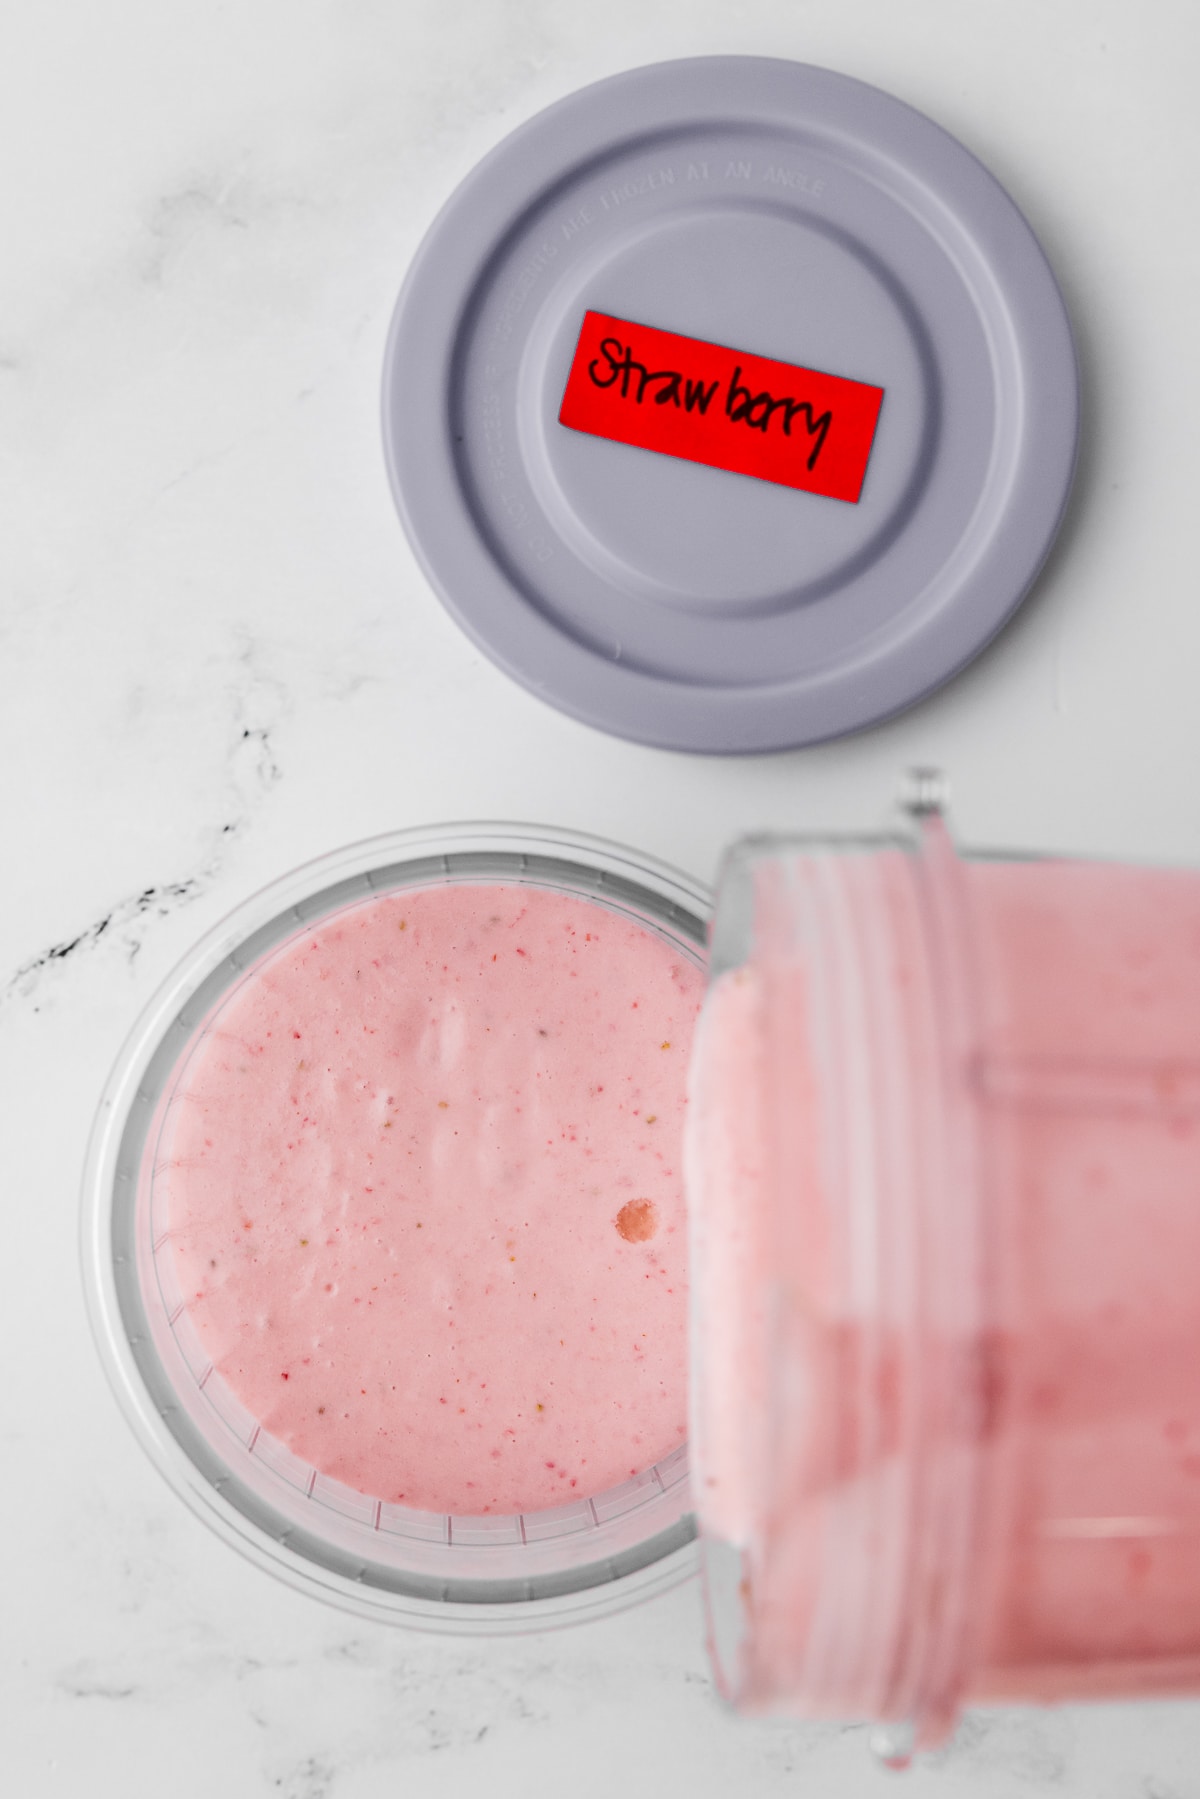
<point x="730" y="404"/>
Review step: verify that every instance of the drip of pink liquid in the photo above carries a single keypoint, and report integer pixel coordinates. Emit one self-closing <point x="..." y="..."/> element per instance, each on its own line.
<point x="421" y="1173"/>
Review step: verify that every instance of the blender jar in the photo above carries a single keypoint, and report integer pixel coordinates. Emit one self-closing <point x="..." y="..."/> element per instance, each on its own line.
<point x="943" y="1171"/>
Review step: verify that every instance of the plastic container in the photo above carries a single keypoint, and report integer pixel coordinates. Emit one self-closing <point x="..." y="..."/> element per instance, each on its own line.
<point x="486" y="1573"/>
<point x="944" y="1188"/>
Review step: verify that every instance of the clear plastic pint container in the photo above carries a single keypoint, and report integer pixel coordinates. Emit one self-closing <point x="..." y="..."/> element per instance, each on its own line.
<point x="943" y="1172"/>
<point x="598" y="1547"/>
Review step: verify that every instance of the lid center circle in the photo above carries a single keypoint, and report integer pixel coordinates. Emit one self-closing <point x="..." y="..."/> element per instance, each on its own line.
<point x="762" y="282"/>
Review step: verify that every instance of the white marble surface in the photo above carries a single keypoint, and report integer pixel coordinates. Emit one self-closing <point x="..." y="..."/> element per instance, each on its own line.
<point x="218" y="659"/>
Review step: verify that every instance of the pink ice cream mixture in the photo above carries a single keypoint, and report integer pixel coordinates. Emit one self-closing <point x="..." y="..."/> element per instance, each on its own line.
<point x="422" y="1180"/>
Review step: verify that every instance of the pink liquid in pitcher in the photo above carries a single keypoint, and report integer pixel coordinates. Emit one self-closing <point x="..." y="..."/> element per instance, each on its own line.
<point x="422" y="1180"/>
<point x="1090" y="1076"/>
<point x="946" y="1412"/>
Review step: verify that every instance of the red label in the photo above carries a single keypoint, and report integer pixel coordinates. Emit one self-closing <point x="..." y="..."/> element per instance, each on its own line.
<point x="749" y="414"/>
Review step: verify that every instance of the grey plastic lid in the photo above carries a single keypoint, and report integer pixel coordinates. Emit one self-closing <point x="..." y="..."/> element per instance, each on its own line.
<point x="778" y="211"/>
